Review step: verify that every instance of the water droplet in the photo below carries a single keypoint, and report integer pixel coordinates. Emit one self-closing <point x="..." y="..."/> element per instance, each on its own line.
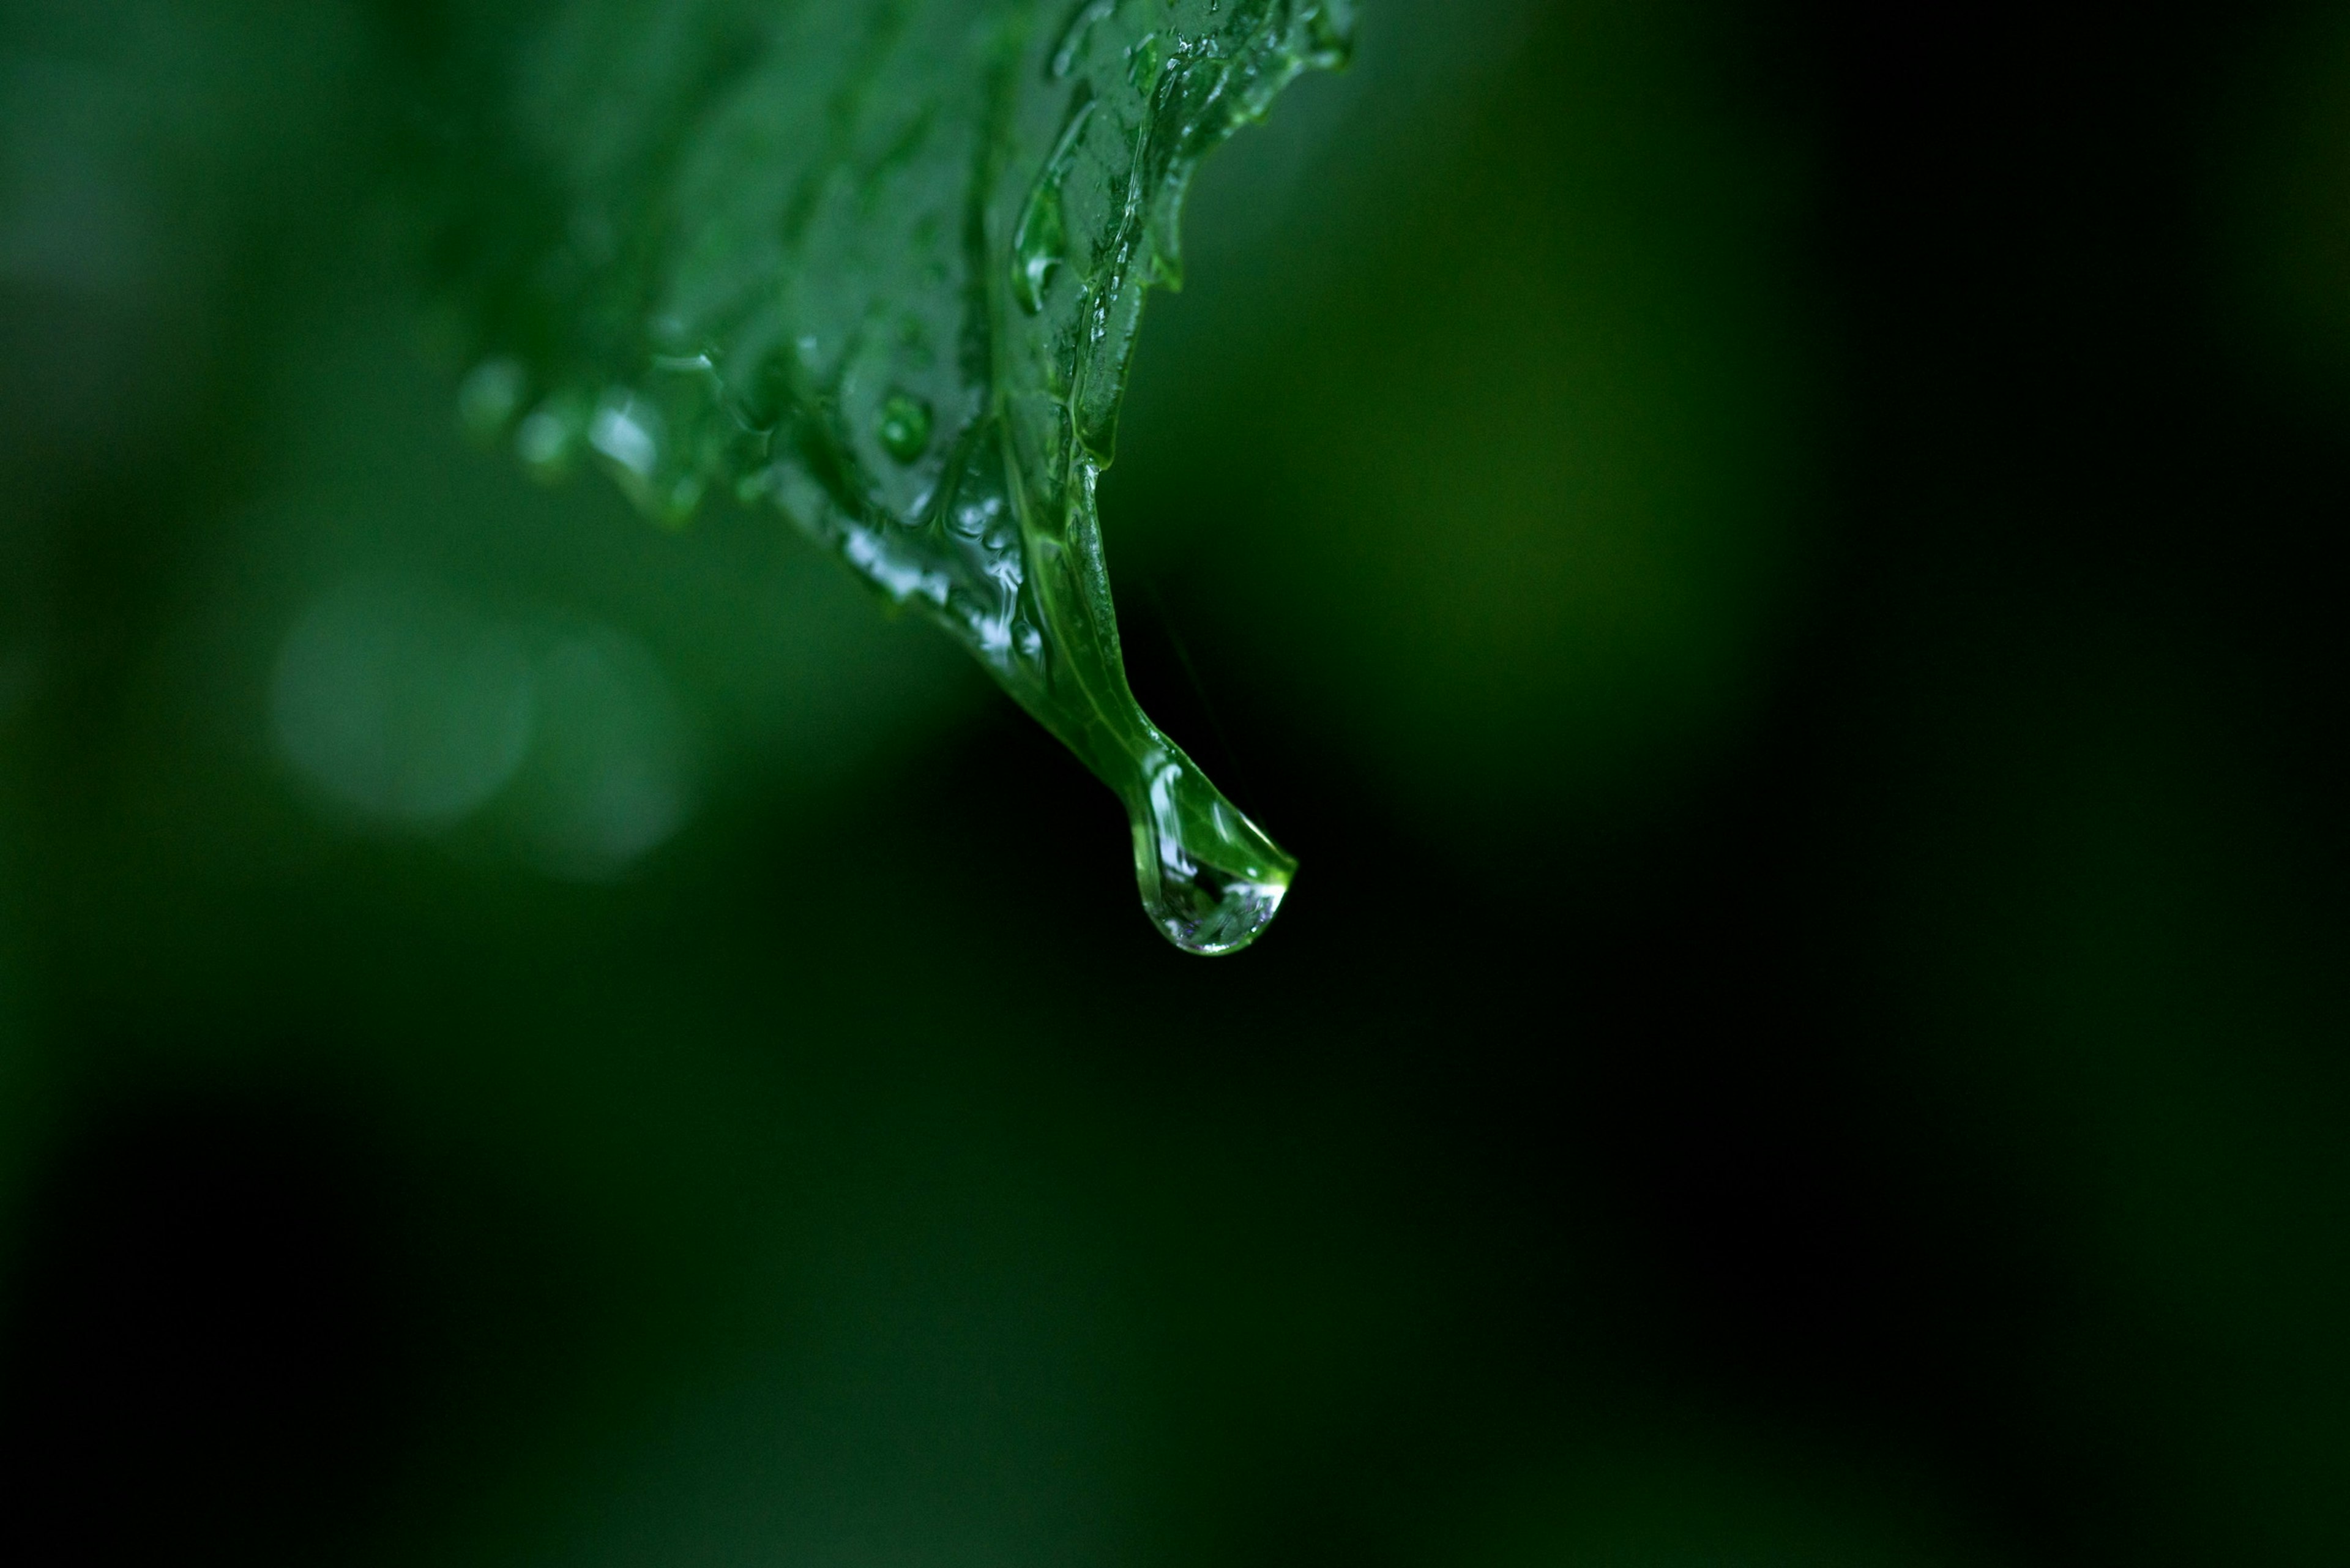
<point x="905" y="427"/>
<point x="1210" y="880"/>
<point x="1040" y="244"/>
<point x="490" y="396"/>
<point x="1038" y="247"/>
<point x="628" y="432"/>
<point x="656" y="473"/>
<point x="548" y="439"/>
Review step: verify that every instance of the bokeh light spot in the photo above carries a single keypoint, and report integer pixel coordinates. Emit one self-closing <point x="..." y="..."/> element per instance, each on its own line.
<point x="400" y="705"/>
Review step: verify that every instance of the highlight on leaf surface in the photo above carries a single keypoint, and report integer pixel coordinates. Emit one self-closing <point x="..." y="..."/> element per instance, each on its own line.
<point x="879" y="264"/>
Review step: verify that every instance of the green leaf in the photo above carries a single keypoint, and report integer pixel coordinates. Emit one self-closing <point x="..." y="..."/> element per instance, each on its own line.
<point x="880" y="265"/>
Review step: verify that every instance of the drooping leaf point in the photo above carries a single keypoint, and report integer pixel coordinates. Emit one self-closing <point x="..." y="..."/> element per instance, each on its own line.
<point x="880" y="266"/>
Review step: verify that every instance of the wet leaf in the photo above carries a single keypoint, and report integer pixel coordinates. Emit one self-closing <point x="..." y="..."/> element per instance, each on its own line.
<point x="877" y="266"/>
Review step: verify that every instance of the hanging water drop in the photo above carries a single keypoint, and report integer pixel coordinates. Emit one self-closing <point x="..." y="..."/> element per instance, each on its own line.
<point x="1210" y="880"/>
<point x="905" y="427"/>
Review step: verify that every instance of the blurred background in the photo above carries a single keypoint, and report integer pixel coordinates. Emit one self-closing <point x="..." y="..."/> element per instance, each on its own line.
<point x="1781" y="566"/>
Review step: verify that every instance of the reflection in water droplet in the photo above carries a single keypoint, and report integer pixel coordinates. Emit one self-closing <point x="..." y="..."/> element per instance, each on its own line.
<point x="905" y="426"/>
<point x="399" y="705"/>
<point x="609" y="776"/>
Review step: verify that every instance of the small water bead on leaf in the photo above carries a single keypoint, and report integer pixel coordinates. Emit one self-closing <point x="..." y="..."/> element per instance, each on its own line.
<point x="872" y="197"/>
<point x="629" y="431"/>
<point x="1040" y="245"/>
<point x="905" y="427"/>
<point x="978" y="515"/>
<point x="635" y="443"/>
<point x="666" y="438"/>
<point x="549" y="438"/>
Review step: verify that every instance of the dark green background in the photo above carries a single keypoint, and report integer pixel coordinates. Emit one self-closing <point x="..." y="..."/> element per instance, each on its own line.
<point x="1780" y="565"/>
